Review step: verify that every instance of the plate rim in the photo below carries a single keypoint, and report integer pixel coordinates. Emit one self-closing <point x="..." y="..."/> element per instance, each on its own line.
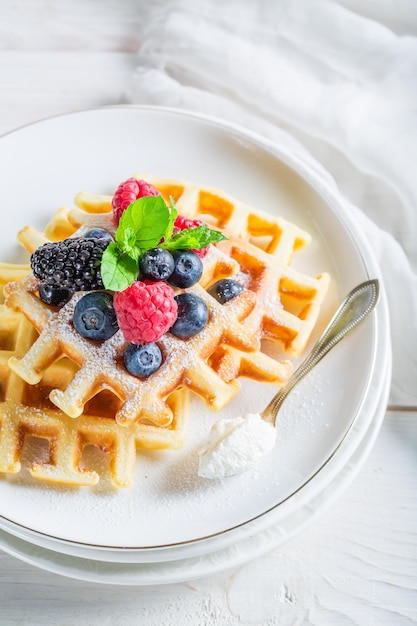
<point x="322" y="188"/>
<point x="95" y="571"/>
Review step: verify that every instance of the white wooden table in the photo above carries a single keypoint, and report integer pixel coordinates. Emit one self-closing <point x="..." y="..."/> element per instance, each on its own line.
<point x="357" y="563"/>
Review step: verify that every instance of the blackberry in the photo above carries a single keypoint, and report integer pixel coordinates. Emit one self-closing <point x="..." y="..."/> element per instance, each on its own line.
<point x="72" y="264"/>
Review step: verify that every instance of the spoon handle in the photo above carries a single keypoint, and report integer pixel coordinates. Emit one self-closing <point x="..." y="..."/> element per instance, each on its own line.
<point x="357" y="305"/>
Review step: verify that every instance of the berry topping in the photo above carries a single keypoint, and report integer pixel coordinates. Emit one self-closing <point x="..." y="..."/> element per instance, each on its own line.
<point x="225" y="289"/>
<point x="129" y="191"/>
<point x="156" y="264"/>
<point x="188" y="269"/>
<point x="54" y="296"/>
<point x="181" y="223"/>
<point x="145" y="311"/>
<point x="73" y="263"/>
<point x="192" y="316"/>
<point x="98" y="233"/>
<point x="144" y="360"/>
<point x="95" y="317"/>
<point x="148" y="223"/>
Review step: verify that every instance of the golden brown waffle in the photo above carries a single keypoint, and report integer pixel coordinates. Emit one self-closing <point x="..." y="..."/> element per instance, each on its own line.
<point x="258" y="252"/>
<point x="184" y="361"/>
<point x="10" y="272"/>
<point x="260" y="249"/>
<point x="288" y="302"/>
<point x="25" y="411"/>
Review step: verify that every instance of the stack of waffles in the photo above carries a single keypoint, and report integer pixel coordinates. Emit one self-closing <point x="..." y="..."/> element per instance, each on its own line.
<point x="73" y="392"/>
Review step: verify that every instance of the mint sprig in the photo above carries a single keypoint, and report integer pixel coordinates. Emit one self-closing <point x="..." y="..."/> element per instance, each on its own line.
<point x="142" y="225"/>
<point x="196" y="237"/>
<point x="148" y="223"/>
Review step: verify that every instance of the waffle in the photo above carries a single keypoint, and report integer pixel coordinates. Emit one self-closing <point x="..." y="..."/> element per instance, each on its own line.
<point x="288" y="302"/>
<point x="25" y="411"/>
<point x="259" y="252"/>
<point x="279" y="305"/>
<point x="259" y="249"/>
<point x="184" y="362"/>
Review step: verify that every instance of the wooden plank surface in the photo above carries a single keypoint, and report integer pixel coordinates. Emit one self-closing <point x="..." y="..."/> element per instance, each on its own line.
<point x="354" y="565"/>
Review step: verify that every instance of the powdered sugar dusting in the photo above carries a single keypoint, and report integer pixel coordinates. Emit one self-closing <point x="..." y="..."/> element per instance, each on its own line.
<point x="168" y="501"/>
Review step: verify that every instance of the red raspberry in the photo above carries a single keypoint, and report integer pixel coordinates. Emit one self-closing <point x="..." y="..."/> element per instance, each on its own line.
<point x="129" y="191"/>
<point x="181" y="223"/>
<point x="145" y="311"/>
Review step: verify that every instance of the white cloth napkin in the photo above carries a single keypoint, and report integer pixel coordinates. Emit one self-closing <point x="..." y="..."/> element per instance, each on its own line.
<point x="335" y="86"/>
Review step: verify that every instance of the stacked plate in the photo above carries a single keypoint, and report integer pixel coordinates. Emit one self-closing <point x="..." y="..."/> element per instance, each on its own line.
<point x="172" y="525"/>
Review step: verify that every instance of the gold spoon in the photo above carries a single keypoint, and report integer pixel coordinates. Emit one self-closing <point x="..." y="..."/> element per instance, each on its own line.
<point x="356" y="307"/>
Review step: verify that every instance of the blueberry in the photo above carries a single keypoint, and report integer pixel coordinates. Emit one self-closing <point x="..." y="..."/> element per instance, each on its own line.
<point x="95" y="317"/>
<point x="226" y="289"/>
<point x="54" y="296"/>
<point x="192" y="316"/>
<point x="98" y="233"/>
<point x="156" y="264"/>
<point x="142" y="360"/>
<point x="188" y="269"/>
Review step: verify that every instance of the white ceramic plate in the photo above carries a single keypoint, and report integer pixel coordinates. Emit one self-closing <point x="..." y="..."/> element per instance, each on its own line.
<point x="277" y="525"/>
<point x="248" y="541"/>
<point x="169" y="506"/>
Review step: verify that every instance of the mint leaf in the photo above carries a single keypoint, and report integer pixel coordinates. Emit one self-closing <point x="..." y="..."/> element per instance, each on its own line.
<point x="118" y="270"/>
<point x="195" y="238"/>
<point x="142" y="225"/>
<point x="173" y="214"/>
<point x="127" y="243"/>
